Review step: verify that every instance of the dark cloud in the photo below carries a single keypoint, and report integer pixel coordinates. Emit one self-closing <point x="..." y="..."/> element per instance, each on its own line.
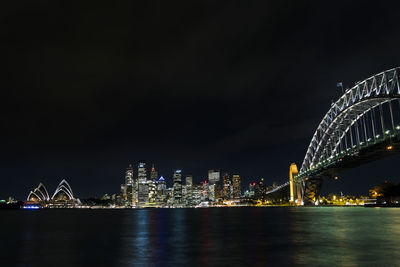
<point x="90" y="87"/>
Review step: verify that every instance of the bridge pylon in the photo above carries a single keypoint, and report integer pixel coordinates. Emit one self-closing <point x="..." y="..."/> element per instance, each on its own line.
<point x="295" y="187"/>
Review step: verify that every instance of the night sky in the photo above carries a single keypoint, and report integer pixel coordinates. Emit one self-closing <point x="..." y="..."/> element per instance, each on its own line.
<point x="240" y="86"/>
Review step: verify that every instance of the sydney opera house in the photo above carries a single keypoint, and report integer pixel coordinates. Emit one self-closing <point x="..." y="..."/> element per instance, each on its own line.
<point x="62" y="197"/>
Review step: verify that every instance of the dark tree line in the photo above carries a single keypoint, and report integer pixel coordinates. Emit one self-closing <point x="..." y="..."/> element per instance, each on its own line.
<point x="386" y="191"/>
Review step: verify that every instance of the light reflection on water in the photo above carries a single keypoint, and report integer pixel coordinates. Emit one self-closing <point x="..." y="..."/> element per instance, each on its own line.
<point x="209" y="237"/>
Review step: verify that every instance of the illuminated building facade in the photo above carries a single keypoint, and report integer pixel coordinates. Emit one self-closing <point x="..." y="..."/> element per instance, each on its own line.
<point x="197" y="194"/>
<point x="143" y="186"/>
<point x="152" y="183"/>
<point x="213" y="176"/>
<point x="177" y="186"/>
<point x="142" y="174"/>
<point x="227" y="186"/>
<point x="153" y="174"/>
<point x="237" y="192"/>
<point x="205" y="191"/>
<point x="189" y="187"/>
<point x="129" y="187"/>
<point x="161" y="190"/>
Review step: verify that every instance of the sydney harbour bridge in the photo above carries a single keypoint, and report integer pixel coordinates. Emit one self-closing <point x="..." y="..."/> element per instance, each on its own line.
<point x="363" y="125"/>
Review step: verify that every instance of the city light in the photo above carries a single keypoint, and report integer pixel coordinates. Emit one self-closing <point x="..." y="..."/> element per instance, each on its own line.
<point x="31" y="207"/>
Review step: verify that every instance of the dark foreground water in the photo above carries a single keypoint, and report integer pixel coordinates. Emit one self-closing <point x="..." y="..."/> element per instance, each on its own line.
<point x="207" y="237"/>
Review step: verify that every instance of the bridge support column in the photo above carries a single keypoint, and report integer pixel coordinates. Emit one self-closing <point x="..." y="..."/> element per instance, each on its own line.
<point x="292" y="174"/>
<point x="312" y="188"/>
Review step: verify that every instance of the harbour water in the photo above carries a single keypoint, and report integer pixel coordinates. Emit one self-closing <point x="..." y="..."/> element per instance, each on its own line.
<point x="315" y="236"/>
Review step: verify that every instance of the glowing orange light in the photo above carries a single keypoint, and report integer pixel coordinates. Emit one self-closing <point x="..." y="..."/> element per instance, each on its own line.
<point x="389" y="147"/>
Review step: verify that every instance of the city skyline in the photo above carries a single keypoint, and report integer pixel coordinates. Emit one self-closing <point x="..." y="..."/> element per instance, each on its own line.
<point x="243" y="93"/>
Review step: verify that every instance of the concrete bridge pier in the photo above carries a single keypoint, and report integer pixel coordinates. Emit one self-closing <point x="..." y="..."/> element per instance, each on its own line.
<point x="311" y="191"/>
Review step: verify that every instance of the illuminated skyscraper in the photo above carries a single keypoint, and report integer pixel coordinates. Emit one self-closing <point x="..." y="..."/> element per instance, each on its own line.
<point x="205" y="192"/>
<point x="152" y="183"/>
<point x="227" y="186"/>
<point x="153" y="174"/>
<point x="178" y="187"/>
<point x="189" y="180"/>
<point x="236" y="186"/>
<point x="129" y="175"/>
<point x="143" y="187"/>
<point x="161" y="190"/>
<point x="211" y="192"/>
<point x="142" y="174"/>
<point x="217" y="191"/>
<point x="189" y="187"/>
<point x="129" y="188"/>
<point x="213" y="176"/>
<point x="197" y="194"/>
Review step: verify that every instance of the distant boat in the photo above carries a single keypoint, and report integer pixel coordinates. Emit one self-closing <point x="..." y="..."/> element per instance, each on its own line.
<point x="204" y="204"/>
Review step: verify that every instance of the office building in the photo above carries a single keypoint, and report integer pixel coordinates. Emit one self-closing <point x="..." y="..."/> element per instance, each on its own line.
<point x="226" y="186"/>
<point x="213" y="176"/>
<point x="153" y="174"/>
<point x="177" y="186"/>
<point x="237" y="192"/>
<point x="188" y="189"/>
<point x="161" y="190"/>
<point x="143" y="187"/>
<point x="129" y="188"/>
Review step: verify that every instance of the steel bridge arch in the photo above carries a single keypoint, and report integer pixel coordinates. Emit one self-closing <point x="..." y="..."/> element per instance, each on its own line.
<point x="347" y="111"/>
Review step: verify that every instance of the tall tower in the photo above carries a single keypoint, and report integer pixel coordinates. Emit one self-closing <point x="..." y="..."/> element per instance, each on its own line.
<point x="226" y="184"/>
<point x="129" y="192"/>
<point x="189" y="180"/>
<point x="153" y="173"/>
<point x="142" y="174"/>
<point x="237" y="192"/>
<point x="177" y="186"/>
<point x="153" y="185"/>
<point x="213" y="176"/>
<point x="189" y="189"/>
<point x="129" y="175"/>
<point x="292" y="174"/>
<point x="143" y="187"/>
<point x="161" y="190"/>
